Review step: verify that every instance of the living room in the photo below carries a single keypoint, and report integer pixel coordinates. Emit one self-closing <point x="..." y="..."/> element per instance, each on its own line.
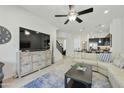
<point x="94" y="45"/>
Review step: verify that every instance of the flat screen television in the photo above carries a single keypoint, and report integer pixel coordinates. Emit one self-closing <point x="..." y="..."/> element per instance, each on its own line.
<point x="33" y="41"/>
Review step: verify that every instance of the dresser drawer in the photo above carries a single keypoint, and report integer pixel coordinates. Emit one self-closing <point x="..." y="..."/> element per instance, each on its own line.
<point x="35" y="66"/>
<point x="25" y="59"/>
<point x="25" y="69"/>
<point x="48" y="62"/>
<point x="36" y="58"/>
<point x="42" y="64"/>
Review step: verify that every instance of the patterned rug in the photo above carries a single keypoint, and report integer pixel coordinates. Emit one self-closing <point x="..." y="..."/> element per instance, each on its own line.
<point x="56" y="80"/>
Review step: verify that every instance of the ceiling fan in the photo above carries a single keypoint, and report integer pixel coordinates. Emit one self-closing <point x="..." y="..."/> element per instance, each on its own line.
<point x="73" y="15"/>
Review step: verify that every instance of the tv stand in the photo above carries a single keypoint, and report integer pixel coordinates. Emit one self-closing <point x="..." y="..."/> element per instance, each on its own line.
<point x="29" y="62"/>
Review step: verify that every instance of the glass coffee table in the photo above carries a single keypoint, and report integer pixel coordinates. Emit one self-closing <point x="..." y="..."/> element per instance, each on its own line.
<point x="77" y="78"/>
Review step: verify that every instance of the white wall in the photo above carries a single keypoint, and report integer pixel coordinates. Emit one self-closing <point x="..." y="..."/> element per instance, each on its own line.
<point x="70" y="37"/>
<point x="70" y="45"/>
<point x="57" y="54"/>
<point x="79" y="36"/>
<point x="117" y="31"/>
<point x="61" y="34"/>
<point x="13" y="17"/>
<point x="77" y="43"/>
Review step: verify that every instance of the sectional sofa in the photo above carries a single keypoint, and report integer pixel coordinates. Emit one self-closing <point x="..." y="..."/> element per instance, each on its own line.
<point x="114" y="73"/>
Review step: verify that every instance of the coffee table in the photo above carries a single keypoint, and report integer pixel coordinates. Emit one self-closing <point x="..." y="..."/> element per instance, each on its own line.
<point x="78" y="79"/>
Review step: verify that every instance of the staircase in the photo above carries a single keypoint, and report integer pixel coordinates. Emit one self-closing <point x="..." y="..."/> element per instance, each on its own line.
<point x="60" y="48"/>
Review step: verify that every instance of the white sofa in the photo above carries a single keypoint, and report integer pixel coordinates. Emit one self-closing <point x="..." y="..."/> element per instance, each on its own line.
<point x="114" y="74"/>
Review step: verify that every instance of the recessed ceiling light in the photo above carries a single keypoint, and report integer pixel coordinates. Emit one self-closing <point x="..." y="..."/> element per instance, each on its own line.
<point x="106" y="11"/>
<point x="102" y="25"/>
<point x="27" y="32"/>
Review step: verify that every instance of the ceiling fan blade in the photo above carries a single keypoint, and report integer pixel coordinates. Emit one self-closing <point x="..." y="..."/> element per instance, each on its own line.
<point x="85" y="11"/>
<point x="71" y="7"/>
<point x="66" y="21"/>
<point x="60" y="15"/>
<point x="78" y="20"/>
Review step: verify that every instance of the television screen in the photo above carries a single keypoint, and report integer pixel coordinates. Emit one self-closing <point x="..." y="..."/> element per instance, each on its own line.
<point x="33" y="40"/>
<point x="25" y="45"/>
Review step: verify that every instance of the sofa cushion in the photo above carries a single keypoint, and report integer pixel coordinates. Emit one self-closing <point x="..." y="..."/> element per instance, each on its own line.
<point x="102" y="71"/>
<point x="122" y="64"/>
<point x="119" y="62"/>
<point x="90" y="62"/>
<point x="90" y="56"/>
<point x="86" y="61"/>
<point x="117" y="74"/>
<point x="103" y="65"/>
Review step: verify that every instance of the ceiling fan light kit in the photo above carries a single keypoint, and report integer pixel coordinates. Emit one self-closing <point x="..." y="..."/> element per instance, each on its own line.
<point x="73" y="15"/>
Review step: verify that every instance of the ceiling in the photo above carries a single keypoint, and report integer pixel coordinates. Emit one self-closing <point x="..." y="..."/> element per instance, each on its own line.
<point x="91" y="22"/>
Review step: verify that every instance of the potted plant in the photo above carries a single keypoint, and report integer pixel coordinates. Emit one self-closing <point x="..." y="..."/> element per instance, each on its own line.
<point x="81" y="67"/>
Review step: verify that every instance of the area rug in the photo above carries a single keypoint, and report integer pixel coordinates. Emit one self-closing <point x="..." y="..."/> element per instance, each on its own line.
<point x="56" y="80"/>
<point x="48" y="80"/>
